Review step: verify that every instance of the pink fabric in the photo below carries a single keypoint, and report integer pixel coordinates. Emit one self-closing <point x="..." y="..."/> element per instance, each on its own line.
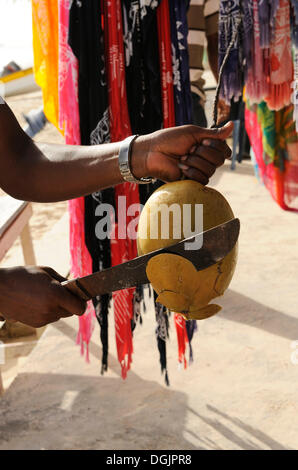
<point x="257" y="86"/>
<point x="254" y="133"/>
<point x="81" y="265"/>
<point x="69" y="119"/>
<point x="281" y="63"/>
<point x="69" y="122"/>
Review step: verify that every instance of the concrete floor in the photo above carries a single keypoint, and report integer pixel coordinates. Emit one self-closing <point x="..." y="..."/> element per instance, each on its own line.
<point x="241" y="392"/>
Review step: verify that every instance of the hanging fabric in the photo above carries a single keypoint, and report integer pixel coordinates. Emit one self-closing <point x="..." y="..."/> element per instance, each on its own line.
<point x="232" y="78"/>
<point x="86" y="39"/>
<point x="261" y="54"/>
<point x="166" y="70"/>
<point x="45" y="48"/>
<point x="122" y="249"/>
<point x="265" y="59"/>
<point x="182" y="338"/>
<point x="281" y="64"/>
<point x="69" y="123"/>
<point x="142" y="65"/>
<point x="275" y="145"/>
<point x="257" y="87"/>
<point x="68" y="94"/>
<point x="121" y="68"/>
<point x="180" y="63"/>
<point x="171" y="82"/>
<point x="145" y="111"/>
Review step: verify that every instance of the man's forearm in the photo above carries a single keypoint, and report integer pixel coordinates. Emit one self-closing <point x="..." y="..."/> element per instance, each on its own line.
<point x="59" y="172"/>
<point x="49" y="173"/>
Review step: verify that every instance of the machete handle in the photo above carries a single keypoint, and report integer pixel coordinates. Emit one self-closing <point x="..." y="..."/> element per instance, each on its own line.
<point x="76" y="288"/>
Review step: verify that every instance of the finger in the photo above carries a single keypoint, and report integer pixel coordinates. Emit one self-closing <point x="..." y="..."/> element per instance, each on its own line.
<point x="74" y="305"/>
<point x="196" y="175"/>
<point x="68" y="301"/>
<point x="200" y="164"/>
<point x="212" y="156"/>
<point x="220" y="133"/>
<point x="64" y="313"/>
<point x="218" y="145"/>
<point x="77" y="305"/>
<point x="169" y="172"/>
<point x="61" y="314"/>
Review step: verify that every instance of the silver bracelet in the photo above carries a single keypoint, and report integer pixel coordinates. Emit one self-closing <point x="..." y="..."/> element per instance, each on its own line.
<point x="124" y="162"/>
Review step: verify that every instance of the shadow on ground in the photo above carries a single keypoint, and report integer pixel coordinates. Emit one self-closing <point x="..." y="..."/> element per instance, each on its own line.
<point x="241" y="309"/>
<point x="61" y="411"/>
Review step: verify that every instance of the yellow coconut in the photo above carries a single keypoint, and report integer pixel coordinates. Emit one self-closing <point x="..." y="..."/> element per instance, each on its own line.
<point x="179" y="285"/>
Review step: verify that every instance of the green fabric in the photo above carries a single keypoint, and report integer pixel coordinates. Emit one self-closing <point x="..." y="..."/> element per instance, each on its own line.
<point x="266" y="118"/>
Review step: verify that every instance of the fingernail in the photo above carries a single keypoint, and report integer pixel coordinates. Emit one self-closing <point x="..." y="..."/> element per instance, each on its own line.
<point x="182" y="166"/>
<point x="206" y="142"/>
<point x="184" y="158"/>
<point x="193" y="149"/>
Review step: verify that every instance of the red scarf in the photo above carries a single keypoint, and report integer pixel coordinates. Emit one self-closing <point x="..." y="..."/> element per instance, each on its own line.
<point x="182" y="338"/>
<point x="121" y="250"/>
<point x="165" y="58"/>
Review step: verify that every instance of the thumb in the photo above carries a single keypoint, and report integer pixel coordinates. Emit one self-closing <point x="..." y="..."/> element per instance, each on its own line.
<point x="221" y="133"/>
<point x="53" y="274"/>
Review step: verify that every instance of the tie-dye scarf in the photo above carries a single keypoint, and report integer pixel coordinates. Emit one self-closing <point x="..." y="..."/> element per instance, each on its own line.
<point x="281" y="64"/>
<point x="232" y="80"/>
<point x="275" y="145"/>
<point x="261" y="57"/>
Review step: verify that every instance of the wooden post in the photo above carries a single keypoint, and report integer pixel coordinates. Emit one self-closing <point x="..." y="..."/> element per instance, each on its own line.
<point x="27" y="246"/>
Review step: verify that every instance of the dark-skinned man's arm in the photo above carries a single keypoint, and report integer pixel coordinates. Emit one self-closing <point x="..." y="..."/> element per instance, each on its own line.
<point x="47" y="173"/>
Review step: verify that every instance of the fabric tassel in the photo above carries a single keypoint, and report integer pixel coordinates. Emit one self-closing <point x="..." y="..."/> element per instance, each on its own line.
<point x="232" y="79"/>
<point x="180" y="64"/>
<point x="182" y="338"/>
<point x="162" y="333"/>
<point x="263" y="15"/>
<point x="281" y="65"/>
<point x="191" y="328"/>
<point x="102" y="311"/>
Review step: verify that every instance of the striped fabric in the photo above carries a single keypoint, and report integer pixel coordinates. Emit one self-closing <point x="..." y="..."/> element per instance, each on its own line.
<point x="202" y="21"/>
